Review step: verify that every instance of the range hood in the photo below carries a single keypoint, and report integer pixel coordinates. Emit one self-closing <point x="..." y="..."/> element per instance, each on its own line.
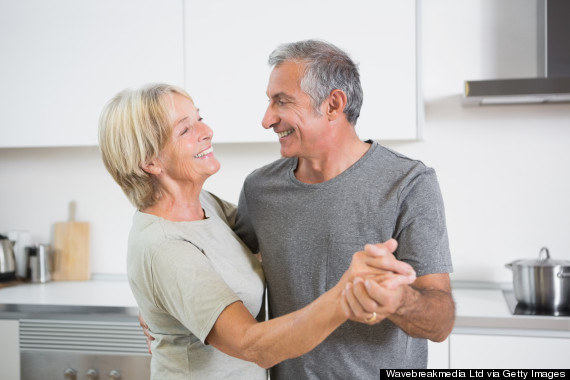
<point x="552" y="84"/>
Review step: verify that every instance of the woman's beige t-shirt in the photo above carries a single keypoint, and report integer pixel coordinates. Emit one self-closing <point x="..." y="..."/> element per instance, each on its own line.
<point x="183" y="275"/>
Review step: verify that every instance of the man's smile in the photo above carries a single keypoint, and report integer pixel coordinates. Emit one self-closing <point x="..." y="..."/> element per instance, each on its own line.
<point x="284" y="133"/>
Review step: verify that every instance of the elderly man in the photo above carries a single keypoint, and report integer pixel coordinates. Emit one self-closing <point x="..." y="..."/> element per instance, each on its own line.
<point x="329" y="195"/>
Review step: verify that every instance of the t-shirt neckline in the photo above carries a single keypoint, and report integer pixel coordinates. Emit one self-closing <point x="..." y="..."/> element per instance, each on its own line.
<point x="340" y="177"/>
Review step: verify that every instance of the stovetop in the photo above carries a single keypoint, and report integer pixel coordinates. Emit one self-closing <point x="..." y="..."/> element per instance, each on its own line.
<point x="517" y="308"/>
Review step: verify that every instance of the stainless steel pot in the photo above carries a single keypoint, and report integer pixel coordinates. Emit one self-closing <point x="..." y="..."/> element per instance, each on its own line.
<point x="542" y="283"/>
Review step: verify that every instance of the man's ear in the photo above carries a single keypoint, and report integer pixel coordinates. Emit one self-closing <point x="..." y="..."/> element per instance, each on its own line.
<point x="336" y="104"/>
<point x="152" y="167"/>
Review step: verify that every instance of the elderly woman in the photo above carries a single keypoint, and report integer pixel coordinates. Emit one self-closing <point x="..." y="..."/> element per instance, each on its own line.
<point x="198" y="287"/>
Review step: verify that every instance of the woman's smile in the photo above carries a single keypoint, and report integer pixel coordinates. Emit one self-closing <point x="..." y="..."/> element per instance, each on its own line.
<point x="205" y="153"/>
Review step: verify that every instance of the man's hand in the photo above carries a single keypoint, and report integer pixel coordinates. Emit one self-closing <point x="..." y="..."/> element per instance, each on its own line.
<point x="422" y="307"/>
<point x="149" y="337"/>
<point x="373" y="299"/>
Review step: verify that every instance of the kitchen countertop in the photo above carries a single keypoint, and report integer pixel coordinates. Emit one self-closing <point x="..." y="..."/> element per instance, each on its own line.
<point x="74" y="293"/>
<point x="478" y="310"/>
<point x="96" y="297"/>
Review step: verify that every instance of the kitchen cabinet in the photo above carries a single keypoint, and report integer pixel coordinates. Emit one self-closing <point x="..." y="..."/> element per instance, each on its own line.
<point x="62" y="60"/>
<point x="497" y="351"/>
<point x="227" y="44"/>
<point x="438" y="354"/>
<point x="10" y="349"/>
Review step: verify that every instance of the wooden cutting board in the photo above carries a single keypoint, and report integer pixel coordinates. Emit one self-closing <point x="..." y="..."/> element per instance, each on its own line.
<point x="71" y="246"/>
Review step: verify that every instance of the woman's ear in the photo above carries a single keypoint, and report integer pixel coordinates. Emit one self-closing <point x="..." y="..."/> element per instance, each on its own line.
<point x="152" y="167"/>
<point x="336" y="104"/>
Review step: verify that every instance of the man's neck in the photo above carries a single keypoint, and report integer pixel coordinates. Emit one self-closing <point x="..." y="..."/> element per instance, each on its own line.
<point x="326" y="165"/>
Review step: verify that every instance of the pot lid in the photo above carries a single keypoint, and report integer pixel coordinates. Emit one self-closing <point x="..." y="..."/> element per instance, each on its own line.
<point x="543" y="260"/>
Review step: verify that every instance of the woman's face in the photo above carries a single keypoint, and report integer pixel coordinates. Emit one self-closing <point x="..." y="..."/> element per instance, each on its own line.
<point x="188" y="156"/>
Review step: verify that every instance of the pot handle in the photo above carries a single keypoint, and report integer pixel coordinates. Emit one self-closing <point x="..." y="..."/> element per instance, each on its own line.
<point x="563" y="274"/>
<point x="545" y="250"/>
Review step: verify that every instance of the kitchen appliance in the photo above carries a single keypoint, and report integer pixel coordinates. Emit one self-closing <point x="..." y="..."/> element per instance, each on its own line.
<point x="519" y="308"/>
<point x="83" y="349"/>
<point x="552" y="83"/>
<point x="7" y="259"/>
<point x="21" y="239"/>
<point x="40" y="263"/>
<point x="542" y="283"/>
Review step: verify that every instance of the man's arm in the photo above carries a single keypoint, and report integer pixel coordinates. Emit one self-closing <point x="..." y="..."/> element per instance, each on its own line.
<point x="424" y="309"/>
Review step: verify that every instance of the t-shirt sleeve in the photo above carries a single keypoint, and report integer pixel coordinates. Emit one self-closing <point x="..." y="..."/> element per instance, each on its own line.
<point x="226" y="210"/>
<point x="421" y="229"/>
<point x="244" y="226"/>
<point x="187" y="287"/>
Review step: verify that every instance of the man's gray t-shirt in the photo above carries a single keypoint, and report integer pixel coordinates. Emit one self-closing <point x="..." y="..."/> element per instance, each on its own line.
<point x="307" y="233"/>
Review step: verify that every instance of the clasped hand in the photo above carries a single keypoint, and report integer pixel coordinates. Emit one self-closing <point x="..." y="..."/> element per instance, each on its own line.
<point x="375" y="283"/>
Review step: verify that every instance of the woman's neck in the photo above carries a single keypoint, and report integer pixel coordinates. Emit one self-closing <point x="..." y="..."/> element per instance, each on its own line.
<point x="182" y="205"/>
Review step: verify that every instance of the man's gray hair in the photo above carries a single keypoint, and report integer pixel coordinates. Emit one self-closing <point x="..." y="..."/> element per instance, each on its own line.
<point x="326" y="68"/>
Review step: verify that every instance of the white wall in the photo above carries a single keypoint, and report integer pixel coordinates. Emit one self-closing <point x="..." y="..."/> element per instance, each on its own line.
<point x="504" y="171"/>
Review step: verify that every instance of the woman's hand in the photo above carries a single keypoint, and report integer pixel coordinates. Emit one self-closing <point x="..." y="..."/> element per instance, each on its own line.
<point x="149" y="337"/>
<point x="378" y="259"/>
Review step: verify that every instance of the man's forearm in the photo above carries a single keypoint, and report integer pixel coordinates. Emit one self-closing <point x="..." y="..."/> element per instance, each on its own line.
<point x="425" y="313"/>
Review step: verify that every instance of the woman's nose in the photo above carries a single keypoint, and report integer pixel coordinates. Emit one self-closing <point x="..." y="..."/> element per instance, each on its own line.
<point x="206" y="132"/>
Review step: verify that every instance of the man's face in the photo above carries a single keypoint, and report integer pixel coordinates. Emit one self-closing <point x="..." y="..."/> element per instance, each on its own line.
<point x="291" y="114"/>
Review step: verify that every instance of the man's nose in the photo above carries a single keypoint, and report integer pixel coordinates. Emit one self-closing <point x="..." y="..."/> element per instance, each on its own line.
<point x="270" y="118"/>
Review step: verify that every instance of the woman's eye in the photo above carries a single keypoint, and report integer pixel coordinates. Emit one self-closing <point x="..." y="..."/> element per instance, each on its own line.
<point x="184" y="131"/>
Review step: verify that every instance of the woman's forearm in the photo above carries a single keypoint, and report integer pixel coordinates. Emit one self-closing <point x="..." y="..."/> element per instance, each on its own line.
<point x="289" y="336"/>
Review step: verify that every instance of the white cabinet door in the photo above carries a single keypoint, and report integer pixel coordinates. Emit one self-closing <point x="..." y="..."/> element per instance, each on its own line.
<point x="62" y="60"/>
<point x="492" y="351"/>
<point x="228" y="43"/>
<point x="438" y="355"/>
<point x="9" y="349"/>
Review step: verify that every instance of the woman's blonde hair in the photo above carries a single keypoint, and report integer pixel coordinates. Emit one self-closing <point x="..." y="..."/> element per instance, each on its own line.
<point x="133" y="128"/>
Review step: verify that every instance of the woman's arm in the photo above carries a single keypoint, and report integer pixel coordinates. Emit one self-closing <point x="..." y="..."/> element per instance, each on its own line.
<point x="238" y="334"/>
